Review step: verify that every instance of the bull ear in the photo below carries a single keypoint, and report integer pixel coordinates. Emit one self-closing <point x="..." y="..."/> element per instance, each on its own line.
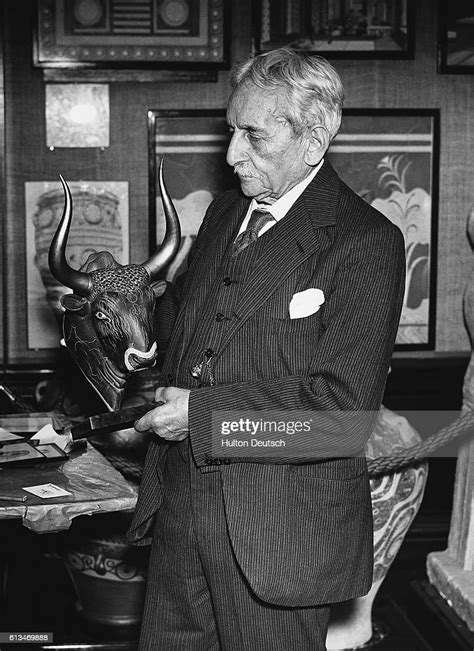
<point x="74" y="303"/>
<point x="159" y="288"/>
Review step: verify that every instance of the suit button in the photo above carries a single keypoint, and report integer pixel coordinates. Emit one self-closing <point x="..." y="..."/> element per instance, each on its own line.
<point x="227" y="281"/>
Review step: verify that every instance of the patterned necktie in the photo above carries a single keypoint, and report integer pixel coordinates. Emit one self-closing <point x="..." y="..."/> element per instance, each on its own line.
<point x="257" y="221"/>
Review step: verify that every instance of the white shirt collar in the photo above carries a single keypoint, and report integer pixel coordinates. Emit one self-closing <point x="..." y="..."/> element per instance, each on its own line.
<point x="283" y="204"/>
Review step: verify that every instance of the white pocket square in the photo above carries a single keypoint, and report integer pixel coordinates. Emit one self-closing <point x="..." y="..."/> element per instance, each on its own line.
<point x="306" y="303"/>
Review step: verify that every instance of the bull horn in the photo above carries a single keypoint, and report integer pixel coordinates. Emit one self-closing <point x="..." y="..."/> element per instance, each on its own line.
<point x="170" y="245"/>
<point x="78" y="281"/>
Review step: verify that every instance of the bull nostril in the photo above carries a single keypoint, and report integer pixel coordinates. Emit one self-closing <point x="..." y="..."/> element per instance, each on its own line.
<point x="135" y="358"/>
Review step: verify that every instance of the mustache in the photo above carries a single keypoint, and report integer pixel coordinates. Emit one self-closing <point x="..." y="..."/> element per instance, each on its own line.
<point x="243" y="171"/>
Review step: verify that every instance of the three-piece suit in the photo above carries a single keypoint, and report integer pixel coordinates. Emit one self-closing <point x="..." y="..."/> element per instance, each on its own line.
<point x="299" y="530"/>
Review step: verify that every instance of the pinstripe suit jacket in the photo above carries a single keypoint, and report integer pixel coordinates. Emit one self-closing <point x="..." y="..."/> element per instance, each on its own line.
<point x="301" y="529"/>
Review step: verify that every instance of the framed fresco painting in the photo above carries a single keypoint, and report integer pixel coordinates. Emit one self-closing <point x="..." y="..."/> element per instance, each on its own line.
<point x="389" y="157"/>
<point x="193" y="144"/>
<point x="355" y="29"/>
<point x="146" y="34"/>
<point x="455" y="37"/>
<point x="100" y="222"/>
<point x="77" y="115"/>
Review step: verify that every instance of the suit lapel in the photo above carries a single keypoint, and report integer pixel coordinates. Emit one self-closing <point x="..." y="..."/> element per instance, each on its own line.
<point x="300" y="234"/>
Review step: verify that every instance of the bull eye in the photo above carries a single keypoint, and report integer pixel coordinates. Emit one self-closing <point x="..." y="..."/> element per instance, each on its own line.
<point x="100" y="315"/>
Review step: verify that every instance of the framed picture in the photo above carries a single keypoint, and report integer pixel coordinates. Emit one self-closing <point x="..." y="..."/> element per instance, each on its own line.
<point x="77" y="115"/>
<point x="100" y="223"/>
<point x="455" y="37"/>
<point x="145" y="34"/>
<point x="193" y="144"/>
<point x="389" y="157"/>
<point x="26" y="453"/>
<point x="352" y="29"/>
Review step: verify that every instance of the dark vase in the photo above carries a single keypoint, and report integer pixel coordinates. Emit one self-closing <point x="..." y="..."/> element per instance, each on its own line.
<point x="109" y="575"/>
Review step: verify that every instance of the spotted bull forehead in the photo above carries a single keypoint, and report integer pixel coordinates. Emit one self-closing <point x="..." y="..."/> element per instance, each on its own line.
<point x="123" y="280"/>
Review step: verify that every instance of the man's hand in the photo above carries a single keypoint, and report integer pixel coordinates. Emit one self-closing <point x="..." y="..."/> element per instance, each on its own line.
<point x="170" y="421"/>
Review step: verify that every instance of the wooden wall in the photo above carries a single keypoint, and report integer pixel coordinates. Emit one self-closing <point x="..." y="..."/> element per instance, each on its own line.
<point x="379" y="84"/>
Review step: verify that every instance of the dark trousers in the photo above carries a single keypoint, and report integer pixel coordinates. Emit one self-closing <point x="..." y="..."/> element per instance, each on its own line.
<point x="197" y="597"/>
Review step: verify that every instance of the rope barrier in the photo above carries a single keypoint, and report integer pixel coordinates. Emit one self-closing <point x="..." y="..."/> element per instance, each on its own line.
<point x="411" y="456"/>
<point x="417" y="453"/>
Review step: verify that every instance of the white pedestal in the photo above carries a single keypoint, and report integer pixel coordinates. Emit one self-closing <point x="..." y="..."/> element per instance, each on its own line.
<point x="452" y="571"/>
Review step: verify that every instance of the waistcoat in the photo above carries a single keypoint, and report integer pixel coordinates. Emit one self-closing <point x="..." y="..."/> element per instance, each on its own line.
<point x="198" y="354"/>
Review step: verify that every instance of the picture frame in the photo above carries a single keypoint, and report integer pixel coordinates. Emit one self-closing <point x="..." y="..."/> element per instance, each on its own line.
<point x="100" y="222"/>
<point x="390" y="157"/>
<point x="68" y="126"/>
<point x="25" y="453"/>
<point x="337" y="30"/>
<point x="193" y="143"/>
<point x="455" y="37"/>
<point x="188" y="34"/>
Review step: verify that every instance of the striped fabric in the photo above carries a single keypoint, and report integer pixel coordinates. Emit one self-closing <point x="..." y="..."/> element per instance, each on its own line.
<point x="300" y="529"/>
<point x="197" y="597"/>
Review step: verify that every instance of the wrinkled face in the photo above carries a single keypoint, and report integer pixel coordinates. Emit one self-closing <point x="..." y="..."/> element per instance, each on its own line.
<point x="267" y="156"/>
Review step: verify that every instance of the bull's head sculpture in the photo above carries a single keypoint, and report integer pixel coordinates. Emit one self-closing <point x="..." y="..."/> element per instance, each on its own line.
<point x="108" y="320"/>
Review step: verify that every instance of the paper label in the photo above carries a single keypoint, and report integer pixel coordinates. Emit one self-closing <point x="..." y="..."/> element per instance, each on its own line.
<point x="47" y="490"/>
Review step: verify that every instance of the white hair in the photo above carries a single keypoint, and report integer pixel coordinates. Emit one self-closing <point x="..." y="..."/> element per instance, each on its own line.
<point x="312" y="87"/>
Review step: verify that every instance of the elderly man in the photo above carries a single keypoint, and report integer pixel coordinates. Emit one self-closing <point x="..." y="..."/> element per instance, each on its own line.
<point x="290" y="305"/>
